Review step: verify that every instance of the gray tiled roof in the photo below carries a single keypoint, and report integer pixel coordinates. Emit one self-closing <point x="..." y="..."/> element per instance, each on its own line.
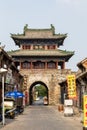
<point x="40" y="53"/>
<point x="38" y="33"/>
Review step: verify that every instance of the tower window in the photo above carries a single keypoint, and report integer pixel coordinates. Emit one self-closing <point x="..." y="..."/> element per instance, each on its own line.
<point x="51" y="47"/>
<point x="38" y="47"/>
<point x="25" y="47"/>
<point x="51" y="65"/>
<point x="26" y="65"/>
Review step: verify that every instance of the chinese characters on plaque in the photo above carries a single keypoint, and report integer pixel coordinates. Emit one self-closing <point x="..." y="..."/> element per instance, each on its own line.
<point x="71" y="82"/>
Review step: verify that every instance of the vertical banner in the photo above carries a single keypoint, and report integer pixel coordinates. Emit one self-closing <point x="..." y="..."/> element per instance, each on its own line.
<point x="71" y="82"/>
<point x="85" y="110"/>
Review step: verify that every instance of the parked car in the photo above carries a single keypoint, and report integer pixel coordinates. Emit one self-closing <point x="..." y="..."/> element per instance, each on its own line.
<point x="37" y="98"/>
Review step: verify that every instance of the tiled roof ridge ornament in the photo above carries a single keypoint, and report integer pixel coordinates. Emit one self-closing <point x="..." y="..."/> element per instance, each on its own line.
<point x="53" y="28"/>
<point x="25" y="27"/>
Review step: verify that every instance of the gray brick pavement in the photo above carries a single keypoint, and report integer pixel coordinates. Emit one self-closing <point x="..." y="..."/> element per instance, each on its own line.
<point x="43" y="118"/>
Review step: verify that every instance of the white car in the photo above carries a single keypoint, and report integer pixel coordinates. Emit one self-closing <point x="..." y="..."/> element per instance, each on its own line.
<point x="37" y="98"/>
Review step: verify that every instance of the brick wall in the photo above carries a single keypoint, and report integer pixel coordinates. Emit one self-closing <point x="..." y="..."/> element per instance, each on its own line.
<point x="50" y="78"/>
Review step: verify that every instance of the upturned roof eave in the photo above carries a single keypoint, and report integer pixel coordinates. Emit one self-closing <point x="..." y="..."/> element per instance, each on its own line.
<point x="16" y="37"/>
<point x="66" y="55"/>
<point x="2" y="51"/>
<point x="81" y="62"/>
<point x="66" y="58"/>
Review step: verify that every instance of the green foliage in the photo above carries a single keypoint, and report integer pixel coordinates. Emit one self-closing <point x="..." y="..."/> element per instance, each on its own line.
<point x="42" y="91"/>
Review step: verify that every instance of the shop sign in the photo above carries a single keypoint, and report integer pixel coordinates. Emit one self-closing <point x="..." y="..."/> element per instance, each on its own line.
<point x="85" y="110"/>
<point x="68" y="110"/>
<point x="68" y="102"/>
<point x="71" y="82"/>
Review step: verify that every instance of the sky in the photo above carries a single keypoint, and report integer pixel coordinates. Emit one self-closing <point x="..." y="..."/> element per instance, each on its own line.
<point x="67" y="16"/>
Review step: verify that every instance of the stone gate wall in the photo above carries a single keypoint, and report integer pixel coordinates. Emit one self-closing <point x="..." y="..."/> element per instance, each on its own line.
<point x="50" y="78"/>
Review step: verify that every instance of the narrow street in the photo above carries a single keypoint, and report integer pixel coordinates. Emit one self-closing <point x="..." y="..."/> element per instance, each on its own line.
<point x="42" y="118"/>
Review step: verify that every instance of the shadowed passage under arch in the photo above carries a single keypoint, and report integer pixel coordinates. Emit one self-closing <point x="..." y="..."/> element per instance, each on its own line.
<point x="37" y="92"/>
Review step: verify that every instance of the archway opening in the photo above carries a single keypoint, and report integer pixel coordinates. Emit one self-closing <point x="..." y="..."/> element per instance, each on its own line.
<point x="38" y="94"/>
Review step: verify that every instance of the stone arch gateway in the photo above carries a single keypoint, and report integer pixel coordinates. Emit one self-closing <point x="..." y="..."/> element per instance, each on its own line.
<point x="49" y="78"/>
<point x="46" y="77"/>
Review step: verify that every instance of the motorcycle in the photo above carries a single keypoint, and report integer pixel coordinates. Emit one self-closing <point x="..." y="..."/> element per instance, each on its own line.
<point x="10" y="113"/>
<point x="19" y="109"/>
<point x="9" y="106"/>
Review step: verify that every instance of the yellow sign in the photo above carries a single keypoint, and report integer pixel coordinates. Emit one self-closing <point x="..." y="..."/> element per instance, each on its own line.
<point x="71" y="82"/>
<point x="85" y="111"/>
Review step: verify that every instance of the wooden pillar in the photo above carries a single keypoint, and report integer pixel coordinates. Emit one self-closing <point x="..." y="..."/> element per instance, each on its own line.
<point x="45" y="47"/>
<point x="56" y="64"/>
<point x="20" y="65"/>
<point x="63" y="65"/>
<point x="56" y="46"/>
<point x="45" y="64"/>
<point x="31" y="47"/>
<point x="31" y="65"/>
<point x="21" y="47"/>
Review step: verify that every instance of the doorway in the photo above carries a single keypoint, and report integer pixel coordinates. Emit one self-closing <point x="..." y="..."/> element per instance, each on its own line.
<point x="38" y="92"/>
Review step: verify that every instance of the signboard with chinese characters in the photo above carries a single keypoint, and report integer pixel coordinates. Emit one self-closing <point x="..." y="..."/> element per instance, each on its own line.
<point x="68" y="102"/>
<point x="71" y="82"/>
<point x="85" y="110"/>
<point x="68" y="109"/>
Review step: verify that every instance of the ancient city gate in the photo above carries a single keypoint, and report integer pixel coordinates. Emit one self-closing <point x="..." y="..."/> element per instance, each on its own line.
<point x="48" y="78"/>
<point x="40" y="60"/>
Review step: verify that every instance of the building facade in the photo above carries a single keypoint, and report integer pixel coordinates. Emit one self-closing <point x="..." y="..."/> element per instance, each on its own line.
<point x="81" y="84"/>
<point x="13" y="79"/>
<point x="40" y="60"/>
<point x="81" y="81"/>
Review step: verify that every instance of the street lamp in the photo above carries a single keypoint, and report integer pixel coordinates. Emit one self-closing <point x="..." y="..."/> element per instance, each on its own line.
<point x="2" y="72"/>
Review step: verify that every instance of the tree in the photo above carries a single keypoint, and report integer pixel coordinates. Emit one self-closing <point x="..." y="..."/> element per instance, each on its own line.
<point x="42" y="90"/>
